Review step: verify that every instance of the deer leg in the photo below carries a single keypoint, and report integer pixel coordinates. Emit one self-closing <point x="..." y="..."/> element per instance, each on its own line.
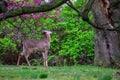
<point x="28" y="52"/>
<point x="26" y="57"/>
<point x="19" y="57"/>
<point x="45" y="59"/>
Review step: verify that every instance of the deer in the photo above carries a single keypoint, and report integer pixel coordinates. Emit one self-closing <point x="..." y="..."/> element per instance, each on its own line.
<point x="29" y="45"/>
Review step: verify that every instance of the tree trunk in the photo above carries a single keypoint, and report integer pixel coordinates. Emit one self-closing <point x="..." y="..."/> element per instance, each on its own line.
<point x="107" y="44"/>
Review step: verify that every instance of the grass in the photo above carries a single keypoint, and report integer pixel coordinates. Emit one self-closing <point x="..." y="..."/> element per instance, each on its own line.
<point x="81" y="72"/>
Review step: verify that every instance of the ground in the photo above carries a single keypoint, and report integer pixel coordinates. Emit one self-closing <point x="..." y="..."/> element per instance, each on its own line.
<point x="80" y="72"/>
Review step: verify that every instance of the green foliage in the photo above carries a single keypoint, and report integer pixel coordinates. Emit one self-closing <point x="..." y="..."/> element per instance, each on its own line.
<point x="42" y="76"/>
<point x="6" y="44"/>
<point x="74" y="37"/>
<point x="71" y="38"/>
<point x="107" y="77"/>
<point x="77" y="42"/>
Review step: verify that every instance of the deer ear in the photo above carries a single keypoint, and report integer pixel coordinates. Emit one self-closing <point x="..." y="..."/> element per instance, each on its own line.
<point x="43" y="33"/>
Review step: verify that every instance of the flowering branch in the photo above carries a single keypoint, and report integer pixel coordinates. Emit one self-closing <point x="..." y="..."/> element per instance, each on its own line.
<point x="32" y="9"/>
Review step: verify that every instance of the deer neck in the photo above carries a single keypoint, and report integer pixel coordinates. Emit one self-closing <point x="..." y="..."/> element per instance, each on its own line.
<point x="47" y="37"/>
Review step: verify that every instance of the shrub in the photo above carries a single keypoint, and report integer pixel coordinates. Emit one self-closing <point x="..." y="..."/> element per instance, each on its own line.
<point x="42" y="76"/>
<point x="6" y="44"/>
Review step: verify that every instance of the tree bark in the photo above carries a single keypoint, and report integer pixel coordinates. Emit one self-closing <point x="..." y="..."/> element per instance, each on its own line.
<point x="107" y="49"/>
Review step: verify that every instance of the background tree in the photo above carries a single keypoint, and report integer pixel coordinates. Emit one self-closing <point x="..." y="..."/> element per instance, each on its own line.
<point x="106" y="30"/>
<point x="107" y="44"/>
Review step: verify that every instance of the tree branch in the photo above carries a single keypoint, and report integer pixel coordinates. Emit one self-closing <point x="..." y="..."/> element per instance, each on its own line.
<point x="69" y="3"/>
<point x="87" y="10"/>
<point x="86" y="18"/>
<point x="33" y="9"/>
<point x="84" y="14"/>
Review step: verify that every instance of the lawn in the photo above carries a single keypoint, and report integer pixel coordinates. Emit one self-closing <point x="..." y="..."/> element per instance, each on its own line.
<point x="80" y="72"/>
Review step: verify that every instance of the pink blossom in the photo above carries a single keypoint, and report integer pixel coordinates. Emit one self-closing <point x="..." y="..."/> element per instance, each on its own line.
<point x="37" y="2"/>
<point x="34" y="16"/>
<point x="41" y="13"/>
<point x="2" y="15"/>
<point x="26" y="0"/>
<point x="24" y="15"/>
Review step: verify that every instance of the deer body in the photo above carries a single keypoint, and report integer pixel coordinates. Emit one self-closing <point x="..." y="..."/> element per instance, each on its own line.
<point x="42" y="45"/>
<point x="36" y="44"/>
